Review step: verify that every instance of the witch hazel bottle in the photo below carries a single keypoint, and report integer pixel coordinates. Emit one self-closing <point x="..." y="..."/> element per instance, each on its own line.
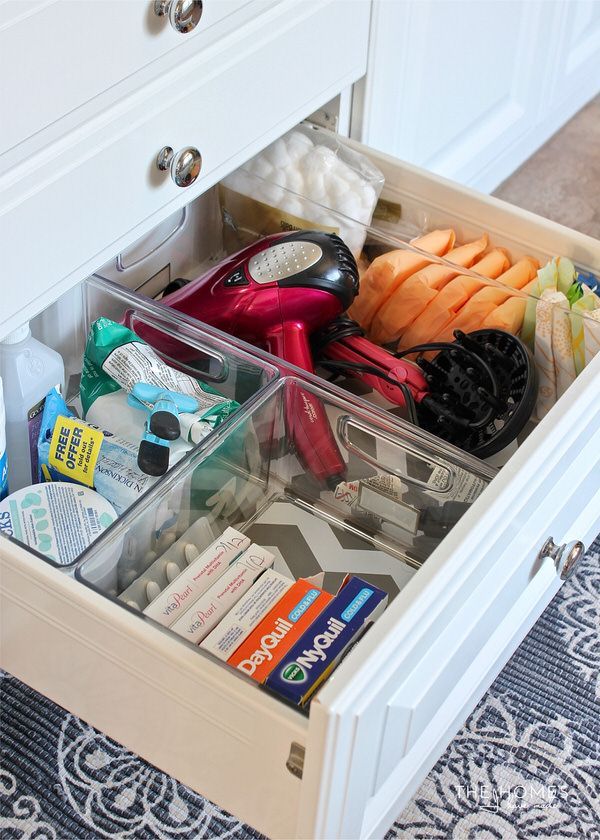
<point x="29" y="369"/>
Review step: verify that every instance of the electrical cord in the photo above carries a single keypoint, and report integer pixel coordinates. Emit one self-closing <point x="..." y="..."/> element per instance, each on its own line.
<point x="443" y="345"/>
<point x="341" y="366"/>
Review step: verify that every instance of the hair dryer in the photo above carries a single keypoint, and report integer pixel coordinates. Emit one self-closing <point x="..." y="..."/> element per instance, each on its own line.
<point x="275" y="294"/>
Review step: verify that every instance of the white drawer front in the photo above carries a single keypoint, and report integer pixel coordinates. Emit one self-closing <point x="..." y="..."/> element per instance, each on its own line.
<point x="56" y="56"/>
<point x="399" y="697"/>
<point x="65" y="217"/>
<point x="192" y="717"/>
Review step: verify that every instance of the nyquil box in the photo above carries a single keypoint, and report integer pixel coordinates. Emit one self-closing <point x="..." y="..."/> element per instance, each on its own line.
<point x="322" y="646"/>
<point x="199" y="576"/>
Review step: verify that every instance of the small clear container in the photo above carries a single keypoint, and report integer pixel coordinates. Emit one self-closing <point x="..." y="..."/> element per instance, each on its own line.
<point x="235" y="372"/>
<point x="327" y="486"/>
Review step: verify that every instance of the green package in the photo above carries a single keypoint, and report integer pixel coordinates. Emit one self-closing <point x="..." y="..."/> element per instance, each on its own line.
<point x="588" y="302"/>
<point x="115" y="357"/>
<point x="547" y="278"/>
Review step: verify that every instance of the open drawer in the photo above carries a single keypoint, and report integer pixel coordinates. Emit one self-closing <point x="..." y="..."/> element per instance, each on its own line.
<point x="377" y="726"/>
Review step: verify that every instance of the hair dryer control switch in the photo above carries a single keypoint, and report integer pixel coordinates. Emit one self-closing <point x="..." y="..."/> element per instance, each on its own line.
<point x="237" y="278"/>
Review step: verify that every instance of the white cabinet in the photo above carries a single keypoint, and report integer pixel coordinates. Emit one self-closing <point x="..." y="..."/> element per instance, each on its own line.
<point x="470" y="90"/>
<point x="346" y="768"/>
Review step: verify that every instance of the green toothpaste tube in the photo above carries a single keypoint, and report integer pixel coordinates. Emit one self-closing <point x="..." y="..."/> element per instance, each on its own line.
<point x="115" y="357"/>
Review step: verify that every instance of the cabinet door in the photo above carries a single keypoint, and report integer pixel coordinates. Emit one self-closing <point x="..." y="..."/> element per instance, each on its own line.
<point x="576" y="60"/>
<point x="450" y="84"/>
<point x="470" y="90"/>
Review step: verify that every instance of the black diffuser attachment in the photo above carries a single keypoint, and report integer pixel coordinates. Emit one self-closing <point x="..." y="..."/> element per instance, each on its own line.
<point x="483" y="389"/>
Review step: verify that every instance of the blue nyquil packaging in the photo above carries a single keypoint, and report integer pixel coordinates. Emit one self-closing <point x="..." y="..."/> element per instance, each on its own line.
<point x="320" y="648"/>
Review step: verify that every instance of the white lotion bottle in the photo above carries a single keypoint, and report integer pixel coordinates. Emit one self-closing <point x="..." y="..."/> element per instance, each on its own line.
<point x="3" y="461"/>
<point x="28" y="370"/>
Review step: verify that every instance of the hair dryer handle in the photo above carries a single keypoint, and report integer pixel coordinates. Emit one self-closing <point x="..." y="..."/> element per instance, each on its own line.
<point x="312" y="435"/>
<point x="289" y="341"/>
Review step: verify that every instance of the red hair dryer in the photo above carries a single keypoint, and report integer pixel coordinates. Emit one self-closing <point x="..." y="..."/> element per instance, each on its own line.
<point x="275" y="294"/>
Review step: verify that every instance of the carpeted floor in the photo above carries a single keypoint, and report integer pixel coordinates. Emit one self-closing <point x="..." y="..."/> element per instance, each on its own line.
<point x="562" y="180"/>
<point x="526" y="763"/>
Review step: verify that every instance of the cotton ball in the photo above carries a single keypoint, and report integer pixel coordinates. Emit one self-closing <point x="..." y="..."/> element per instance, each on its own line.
<point x="277" y="154"/>
<point x="330" y="221"/>
<point x="293" y="207"/>
<point x="315" y="185"/>
<point x="295" y="181"/>
<point x="271" y="194"/>
<point x="261" y="167"/>
<point x="350" y="205"/>
<point x="354" y="180"/>
<point x="298" y="144"/>
<point x="242" y="182"/>
<point x="324" y="158"/>
<point x="319" y="215"/>
<point x="354" y="239"/>
<point x="369" y="197"/>
<point x="167" y="539"/>
<point x="235" y="180"/>
<point x="190" y="552"/>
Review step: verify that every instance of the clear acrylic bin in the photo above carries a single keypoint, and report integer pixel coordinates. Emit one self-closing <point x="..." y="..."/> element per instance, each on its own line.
<point x="382" y="506"/>
<point x="187" y="345"/>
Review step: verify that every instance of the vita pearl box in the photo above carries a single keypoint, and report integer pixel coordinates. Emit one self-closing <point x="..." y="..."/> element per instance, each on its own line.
<point x="206" y="612"/>
<point x="199" y="576"/>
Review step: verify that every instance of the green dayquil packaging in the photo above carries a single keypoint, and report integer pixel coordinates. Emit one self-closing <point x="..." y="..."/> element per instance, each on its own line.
<point x="115" y="357"/>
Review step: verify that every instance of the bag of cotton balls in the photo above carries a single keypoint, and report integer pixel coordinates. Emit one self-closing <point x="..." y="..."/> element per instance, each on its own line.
<point x="310" y="175"/>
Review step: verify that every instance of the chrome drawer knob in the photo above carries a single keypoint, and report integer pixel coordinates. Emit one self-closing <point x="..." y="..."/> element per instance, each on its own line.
<point x="184" y="165"/>
<point x="565" y="556"/>
<point x="183" y="15"/>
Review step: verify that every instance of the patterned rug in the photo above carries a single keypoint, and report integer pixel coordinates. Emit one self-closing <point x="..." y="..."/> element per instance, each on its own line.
<point x="525" y="765"/>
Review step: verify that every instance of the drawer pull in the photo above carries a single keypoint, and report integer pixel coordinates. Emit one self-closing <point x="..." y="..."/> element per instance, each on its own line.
<point x="184" y="165"/>
<point x="295" y="762"/>
<point x="184" y="15"/>
<point x="565" y="556"/>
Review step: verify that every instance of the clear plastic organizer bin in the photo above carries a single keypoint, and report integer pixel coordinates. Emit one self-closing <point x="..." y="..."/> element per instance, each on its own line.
<point x="189" y="347"/>
<point x="327" y="487"/>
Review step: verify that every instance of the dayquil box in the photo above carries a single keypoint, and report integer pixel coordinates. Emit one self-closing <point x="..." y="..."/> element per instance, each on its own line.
<point x="322" y="646"/>
<point x="199" y="576"/>
<point x="279" y="630"/>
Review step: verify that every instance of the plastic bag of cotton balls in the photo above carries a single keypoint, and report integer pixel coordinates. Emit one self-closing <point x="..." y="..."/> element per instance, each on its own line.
<point x="313" y="180"/>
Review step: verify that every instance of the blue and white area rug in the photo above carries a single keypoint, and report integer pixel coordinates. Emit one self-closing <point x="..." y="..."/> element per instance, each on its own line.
<point x="525" y="765"/>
